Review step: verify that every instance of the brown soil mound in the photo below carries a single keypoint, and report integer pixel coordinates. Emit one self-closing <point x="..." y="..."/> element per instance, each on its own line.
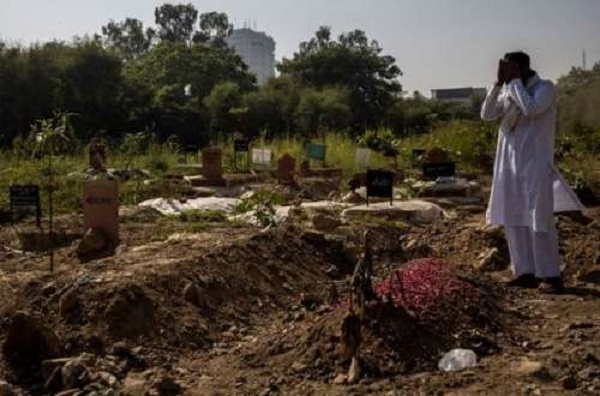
<point x="142" y="294"/>
<point x="394" y="339"/>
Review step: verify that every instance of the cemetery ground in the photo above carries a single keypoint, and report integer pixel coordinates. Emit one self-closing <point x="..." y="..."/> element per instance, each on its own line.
<point x="210" y="302"/>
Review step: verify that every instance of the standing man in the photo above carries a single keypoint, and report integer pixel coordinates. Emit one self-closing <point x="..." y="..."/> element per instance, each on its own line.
<point x="527" y="188"/>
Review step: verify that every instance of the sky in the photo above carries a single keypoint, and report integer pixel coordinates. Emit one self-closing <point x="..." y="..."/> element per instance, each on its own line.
<point x="437" y="43"/>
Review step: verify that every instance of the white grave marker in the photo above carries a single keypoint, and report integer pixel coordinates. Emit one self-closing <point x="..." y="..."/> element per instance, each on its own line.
<point x="261" y="156"/>
<point x="363" y="157"/>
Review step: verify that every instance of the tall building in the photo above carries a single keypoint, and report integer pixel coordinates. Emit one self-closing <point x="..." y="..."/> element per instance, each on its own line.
<point x="257" y="50"/>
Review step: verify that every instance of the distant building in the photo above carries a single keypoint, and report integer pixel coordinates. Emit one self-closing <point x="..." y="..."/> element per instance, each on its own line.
<point x="257" y="50"/>
<point x="458" y="95"/>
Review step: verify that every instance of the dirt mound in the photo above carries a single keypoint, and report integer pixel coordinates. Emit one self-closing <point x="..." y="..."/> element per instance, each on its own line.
<point x="424" y="309"/>
<point x="29" y="342"/>
<point x="143" y="293"/>
<point x="130" y="313"/>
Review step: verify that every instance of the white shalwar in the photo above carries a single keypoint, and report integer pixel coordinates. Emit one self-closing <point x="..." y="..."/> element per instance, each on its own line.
<point x="528" y="189"/>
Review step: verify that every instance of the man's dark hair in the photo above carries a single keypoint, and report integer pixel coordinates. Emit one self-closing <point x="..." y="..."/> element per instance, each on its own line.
<point x="520" y="58"/>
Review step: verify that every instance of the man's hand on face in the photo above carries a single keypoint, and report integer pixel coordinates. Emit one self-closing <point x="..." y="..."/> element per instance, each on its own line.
<point x="500" y="80"/>
<point x="511" y="72"/>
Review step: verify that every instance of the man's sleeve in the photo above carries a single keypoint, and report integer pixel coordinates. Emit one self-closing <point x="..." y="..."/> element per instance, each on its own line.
<point x="492" y="108"/>
<point x="532" y="105"/>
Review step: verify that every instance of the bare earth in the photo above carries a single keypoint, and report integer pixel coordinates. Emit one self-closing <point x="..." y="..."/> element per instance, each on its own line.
<point x="257" y="316"/>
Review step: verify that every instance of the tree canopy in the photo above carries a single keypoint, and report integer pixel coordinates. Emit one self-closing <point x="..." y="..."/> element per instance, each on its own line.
<point x="353" y="62"/>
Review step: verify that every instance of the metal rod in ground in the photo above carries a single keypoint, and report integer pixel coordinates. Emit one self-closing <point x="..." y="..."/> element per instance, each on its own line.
<point x="51" y="216"/>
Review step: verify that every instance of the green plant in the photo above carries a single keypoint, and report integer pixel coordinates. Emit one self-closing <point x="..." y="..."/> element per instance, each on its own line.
<point x="262" y="204"/>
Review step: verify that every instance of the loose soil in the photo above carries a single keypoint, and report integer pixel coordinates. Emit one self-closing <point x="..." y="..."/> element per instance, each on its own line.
<point x="233" y="310"/>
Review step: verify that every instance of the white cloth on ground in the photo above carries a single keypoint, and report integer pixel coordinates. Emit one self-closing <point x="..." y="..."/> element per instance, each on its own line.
<point x="527" y="189"/>
<point x="534" y="252"/>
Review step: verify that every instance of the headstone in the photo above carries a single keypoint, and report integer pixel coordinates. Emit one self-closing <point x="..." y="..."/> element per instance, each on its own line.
<point x="286" y="167"/>
<point x="380" y="183"/>
<point x="212" y="164"/>
<point x="439" y="170"/>
<point x="261" y="157"/>
<point x="25" y="198"/>
<point x="101" y="208"/>
<point x="97" y="153"/>
<point x="241" y="146"/>
<point x="316" y="151"/>
<point x="363" y="157"/>
<point x="437" y="164"/>
<point x="436" y="156"/>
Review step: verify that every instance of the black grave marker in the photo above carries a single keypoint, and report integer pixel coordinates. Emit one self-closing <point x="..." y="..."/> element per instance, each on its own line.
<point x="24" y="198"/>
<point x="241" y="146"/>
<point x="444" y="169"/>
<point x="380" y="183"/>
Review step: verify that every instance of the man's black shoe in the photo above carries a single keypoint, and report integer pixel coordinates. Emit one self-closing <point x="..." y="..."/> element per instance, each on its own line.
<point x="552" y="286"/>
<point x="526" y="281"/>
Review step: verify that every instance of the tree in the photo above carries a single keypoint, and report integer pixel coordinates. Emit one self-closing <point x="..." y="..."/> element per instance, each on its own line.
<point x="214" y="29"/>
<point x="353" y="62"/>
<point x="224" y="107"/>
<point x="323" y="110"/>
<point x="128" y="37"/>
<point x="168" y="68"/>
<point x="176" y="23"/>
<point x="271" y="109"/>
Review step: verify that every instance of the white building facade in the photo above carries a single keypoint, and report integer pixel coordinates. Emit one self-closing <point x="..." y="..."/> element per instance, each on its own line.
<point x="257" y="50"/>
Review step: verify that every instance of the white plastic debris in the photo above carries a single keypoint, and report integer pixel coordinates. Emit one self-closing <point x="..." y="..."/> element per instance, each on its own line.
<point x="174" y="206"/>
<point x="457" y="360"/>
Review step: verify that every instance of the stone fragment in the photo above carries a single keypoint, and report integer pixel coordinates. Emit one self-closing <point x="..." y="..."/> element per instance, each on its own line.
<point x="340" y="379"/>
<point x="192" y="294"/>
<point x="93" y="245"/>
<point x="68" y="302"/>
<point x="325" y="223"/>
<point x="75" y="374"/>
<point x="354" y="372"/>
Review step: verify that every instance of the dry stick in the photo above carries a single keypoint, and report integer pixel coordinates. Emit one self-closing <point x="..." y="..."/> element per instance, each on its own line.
<point x="51" y="212"/>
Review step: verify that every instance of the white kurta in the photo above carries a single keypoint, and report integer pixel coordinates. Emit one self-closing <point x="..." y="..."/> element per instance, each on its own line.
<point x="527" y="188"/>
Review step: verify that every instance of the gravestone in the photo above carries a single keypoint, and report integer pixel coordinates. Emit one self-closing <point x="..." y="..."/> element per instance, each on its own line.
<point x="436" y="163"/>
<point x="25" y="198"/>
<point x="101" y="208"/>
<point x="241" y="146"/>
<point x="380" y="183"/>
<point x="436" y="156"/>
<point x="362" y="158"/>
<point x="212" y="164"/>
<point x="439" y="170"/>
<point x="261" y="157"/>
<point x="286" y="167"/>
<point x="316" y="151"/>
<point x="97" y="154"/>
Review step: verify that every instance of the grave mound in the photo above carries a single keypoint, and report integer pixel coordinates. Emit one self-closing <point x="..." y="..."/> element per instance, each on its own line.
<point x="421" y="311"/>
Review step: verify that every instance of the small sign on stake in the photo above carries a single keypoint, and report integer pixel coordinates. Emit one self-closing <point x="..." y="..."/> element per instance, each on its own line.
<point x="261" y="157"/>
<point x="316" y="151"/>
<point x="443" y="169"/>
<point x="363" y="157"/>
<point x="23" y="198"/>
<point x="380" y="183"/>
<point x="240" y="146"/>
